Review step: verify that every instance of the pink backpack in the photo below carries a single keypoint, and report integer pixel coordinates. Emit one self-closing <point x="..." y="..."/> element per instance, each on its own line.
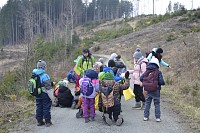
<point x="95" y="83"/>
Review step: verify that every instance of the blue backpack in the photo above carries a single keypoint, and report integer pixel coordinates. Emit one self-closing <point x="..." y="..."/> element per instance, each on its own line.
<point x="71" y="76"/>
<point x="87" y="87"/>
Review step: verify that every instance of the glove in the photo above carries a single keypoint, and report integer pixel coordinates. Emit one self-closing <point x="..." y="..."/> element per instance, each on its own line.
<point x="127" y="74"/>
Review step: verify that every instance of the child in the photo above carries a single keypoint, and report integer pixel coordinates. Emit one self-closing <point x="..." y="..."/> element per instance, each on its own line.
<point x="107" y="80"/>
<point x="155" y="95"/>
<point x="43" y="101"/>
<point x="65" y="96"/>
<point x="88" y="93"/>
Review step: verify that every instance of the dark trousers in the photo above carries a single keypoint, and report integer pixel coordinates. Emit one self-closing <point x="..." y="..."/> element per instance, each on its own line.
<point x="114" y="111"/>
<point x="138" y="91"/>
<point x="43" y="107"/>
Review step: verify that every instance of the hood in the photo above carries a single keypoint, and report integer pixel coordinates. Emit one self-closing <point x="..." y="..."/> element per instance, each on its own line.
<point x="154" y="49"/>
<point x="152" y="66"/>
<point x="62" y="89"/>
<point x="142" y="59"/>
<point x="38" y="71"/>
<point x="107" y="69"/>
<point x="113" y="56"/>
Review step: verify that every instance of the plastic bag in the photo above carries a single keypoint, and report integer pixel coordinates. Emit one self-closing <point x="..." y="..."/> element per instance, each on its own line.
<point x="97" y="101"/>
<point x="128" y="94"/>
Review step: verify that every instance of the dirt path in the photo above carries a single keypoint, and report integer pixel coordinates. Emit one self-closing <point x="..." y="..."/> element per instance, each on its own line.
<point x="64" y="121"/>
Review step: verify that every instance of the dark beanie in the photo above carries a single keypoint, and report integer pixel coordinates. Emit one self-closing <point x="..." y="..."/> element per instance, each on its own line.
<point x="159" y="50"/>
<point x="111" y="63"/>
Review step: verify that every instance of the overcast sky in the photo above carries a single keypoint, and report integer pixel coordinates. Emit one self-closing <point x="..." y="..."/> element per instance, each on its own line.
<point x="146" y="6"/>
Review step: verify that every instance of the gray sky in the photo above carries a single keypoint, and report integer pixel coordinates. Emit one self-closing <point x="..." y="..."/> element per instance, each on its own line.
<point x="145" y="6"/>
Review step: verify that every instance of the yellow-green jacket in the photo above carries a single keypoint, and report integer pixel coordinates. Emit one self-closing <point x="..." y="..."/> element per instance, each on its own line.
<point x="83" y="64"/>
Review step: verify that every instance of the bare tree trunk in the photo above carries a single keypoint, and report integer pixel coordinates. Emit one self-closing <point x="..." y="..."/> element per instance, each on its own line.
<point x="72" y="21"/>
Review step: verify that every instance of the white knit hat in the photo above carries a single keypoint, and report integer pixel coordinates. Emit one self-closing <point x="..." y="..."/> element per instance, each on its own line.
<point x="155" y="61"/>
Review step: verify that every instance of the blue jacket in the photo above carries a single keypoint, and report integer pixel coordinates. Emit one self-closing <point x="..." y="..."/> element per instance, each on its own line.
<point x="152" y="66"/>
<point x="44" y="78"/>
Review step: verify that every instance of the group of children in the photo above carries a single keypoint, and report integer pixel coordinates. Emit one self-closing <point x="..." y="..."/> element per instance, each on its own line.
<point x="94" y="79"/>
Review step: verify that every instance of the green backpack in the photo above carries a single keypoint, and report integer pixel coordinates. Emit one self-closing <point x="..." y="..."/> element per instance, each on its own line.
<point x="34" y="86"/>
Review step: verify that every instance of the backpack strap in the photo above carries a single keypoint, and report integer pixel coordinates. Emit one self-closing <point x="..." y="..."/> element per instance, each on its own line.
<point x="87" y="60"/>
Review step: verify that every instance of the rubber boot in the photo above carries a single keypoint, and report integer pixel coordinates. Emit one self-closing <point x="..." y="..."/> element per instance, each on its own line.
<point x="137" y="105"/>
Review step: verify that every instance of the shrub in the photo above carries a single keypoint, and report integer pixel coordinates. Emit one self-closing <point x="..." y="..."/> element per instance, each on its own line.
<point x="196" y="28"/>
<point x="171" y="37"/>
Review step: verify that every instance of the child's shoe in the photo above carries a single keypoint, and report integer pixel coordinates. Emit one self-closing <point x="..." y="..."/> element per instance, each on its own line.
<point x="158" y="120"/>
<point x="107" y="119"/>
<point x="40" y="123"/>
<point x="143" y="106"/>
<point x="145" y="118"/>
<point x="92" y="119"/>
<point x="79" y="114"/>
<point x="73" y="105"/>
<point x="48" y="123"/>
<point x="119" y="120"/>
<point x="137" y="105"/>
<point x="87" y="120"/>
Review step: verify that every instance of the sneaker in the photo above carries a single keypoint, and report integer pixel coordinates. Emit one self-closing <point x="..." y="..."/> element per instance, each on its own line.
<point x="87" y="120"/>
<point x="158" y="120"/>
<point x="92" y="119"/>
<point x="107" y="119"/>
<point x="119" y="120"/>
<point x="41" y="123"/>
<point x="145" y="119"/>
<point x="48" y="124"/>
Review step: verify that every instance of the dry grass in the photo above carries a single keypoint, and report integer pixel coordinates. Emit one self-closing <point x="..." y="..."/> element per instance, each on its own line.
<point x="13" y="112"/>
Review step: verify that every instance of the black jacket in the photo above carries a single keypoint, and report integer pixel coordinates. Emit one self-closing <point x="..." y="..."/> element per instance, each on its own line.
<point x="65" y="96"/>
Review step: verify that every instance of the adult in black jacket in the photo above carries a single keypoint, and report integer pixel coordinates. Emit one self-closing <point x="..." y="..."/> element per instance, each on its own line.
<point x="65" y="97"/>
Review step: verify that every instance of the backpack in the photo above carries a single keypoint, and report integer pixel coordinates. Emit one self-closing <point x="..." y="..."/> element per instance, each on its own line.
<point x="150" y="80"/>
<point x="119" y="64"/>
<point x="71" y="76"/>
<point x="34" y="85"/>
<point x="91" y="74"/>
<point x="95" y="83"/>
<point x="86" y="86"/>
<point x="107" y="97"/>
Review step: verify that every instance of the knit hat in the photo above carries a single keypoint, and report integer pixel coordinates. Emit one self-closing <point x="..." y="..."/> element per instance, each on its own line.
<point x="63" y="83"/>
<point x="155" y="61"/>
<point x="137" y="55"/>
<point x="159" y="50"/>
<point x="41" y="64"/>
<point x="101" y="60"/>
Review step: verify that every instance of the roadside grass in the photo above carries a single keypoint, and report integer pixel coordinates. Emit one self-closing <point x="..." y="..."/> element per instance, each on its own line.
<point x="186" y="107"/>
<point x="14" y="112"/>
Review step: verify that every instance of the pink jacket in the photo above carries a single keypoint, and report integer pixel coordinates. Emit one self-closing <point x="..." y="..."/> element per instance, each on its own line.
<point x="139" y="69"/>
